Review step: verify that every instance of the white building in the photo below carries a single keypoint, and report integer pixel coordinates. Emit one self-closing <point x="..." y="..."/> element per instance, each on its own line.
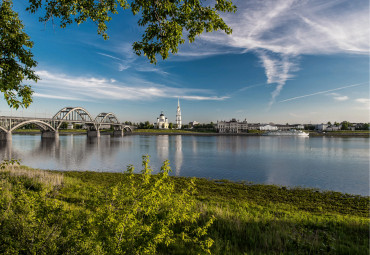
<point x="268" y="127"/>
<point x="321" y="127"/>
<point x="178" y="115"/>
<point x="162" y="122"/>
<point x="193" y="123"/>
<point x="232" y="126"/>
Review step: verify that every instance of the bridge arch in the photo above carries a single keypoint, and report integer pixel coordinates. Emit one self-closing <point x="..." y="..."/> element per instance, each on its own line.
<point x="73" y="114"/>
<point x="127" y="128"/>
<point x="42" y="125"/>
<point x="3" y="129"/>
<point x="106" y="118"/>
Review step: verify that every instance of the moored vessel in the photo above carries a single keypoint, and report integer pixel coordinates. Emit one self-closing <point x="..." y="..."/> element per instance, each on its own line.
<point x="291" y="132"/>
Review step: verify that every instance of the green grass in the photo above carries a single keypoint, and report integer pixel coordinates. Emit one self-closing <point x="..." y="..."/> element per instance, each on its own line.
<point x="249" y="218"/>
<point x="72" y="130"/>
<point x="164" y="131"/>
<point x="27" y="130"/>
<point x="60" y="131"/>
<point x="350" y="131"/>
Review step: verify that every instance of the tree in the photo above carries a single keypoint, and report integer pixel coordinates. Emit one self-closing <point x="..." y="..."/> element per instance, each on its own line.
<point x="16" y="61"/>
<point x="365" y="126"/>
<point x="345" y="125"/>
<point x="170" y="125"/>
<point x="165" y="22"/>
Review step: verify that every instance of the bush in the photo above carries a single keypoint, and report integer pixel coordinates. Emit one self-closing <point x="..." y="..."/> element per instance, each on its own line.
<point x="143" y="214"/>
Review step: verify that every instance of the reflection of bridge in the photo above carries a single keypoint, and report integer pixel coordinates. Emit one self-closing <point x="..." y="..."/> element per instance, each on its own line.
<point x="75" y="115"/>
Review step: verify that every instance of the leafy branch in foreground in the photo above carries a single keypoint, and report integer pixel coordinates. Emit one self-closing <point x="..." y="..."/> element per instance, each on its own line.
<point x="16" y="61"/>
<point x="165" y="22"/>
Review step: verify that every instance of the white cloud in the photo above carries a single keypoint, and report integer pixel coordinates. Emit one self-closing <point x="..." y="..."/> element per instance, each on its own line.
<point x="363" y="100"/>
<point x="365" y="103"/>
<point x="202" y="98"/>
<point x="341" y="98"/>
<point x="279" y="31"/>
<point x="62" y="86"/>
<point x="324" y="92"/>
<point x="56" y="97"/>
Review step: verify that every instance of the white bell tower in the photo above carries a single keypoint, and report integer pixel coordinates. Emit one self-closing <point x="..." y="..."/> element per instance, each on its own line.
<point x="178" y="114"/>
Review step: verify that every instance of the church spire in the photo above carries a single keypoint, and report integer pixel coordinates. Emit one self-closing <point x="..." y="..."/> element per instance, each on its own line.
<point x="178" y="114"/>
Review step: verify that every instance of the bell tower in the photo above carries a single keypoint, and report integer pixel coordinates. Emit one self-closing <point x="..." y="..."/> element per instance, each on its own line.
<point x="178" y="114"/>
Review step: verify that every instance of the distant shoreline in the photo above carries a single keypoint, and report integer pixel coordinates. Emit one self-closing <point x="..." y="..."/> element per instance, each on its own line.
<point x="312" y="134"/>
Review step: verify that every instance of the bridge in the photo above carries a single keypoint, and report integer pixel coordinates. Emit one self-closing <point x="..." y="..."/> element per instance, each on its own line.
<point x="74" y="115"/>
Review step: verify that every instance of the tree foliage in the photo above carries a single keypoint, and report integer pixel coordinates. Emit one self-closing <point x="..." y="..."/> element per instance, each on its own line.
<point x="165" y="23"/>
<point x="16" y="59"/>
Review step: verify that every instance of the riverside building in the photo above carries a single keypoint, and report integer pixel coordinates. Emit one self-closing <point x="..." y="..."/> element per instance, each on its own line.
<point x="162" y="122"/>
<point x="232" y="126"/>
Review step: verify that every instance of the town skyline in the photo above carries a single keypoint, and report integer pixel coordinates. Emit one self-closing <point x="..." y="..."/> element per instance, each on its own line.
<point x="286" y="62"/>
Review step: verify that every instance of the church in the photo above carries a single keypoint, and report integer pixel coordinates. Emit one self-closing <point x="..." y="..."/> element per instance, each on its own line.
<point x="162" y="120"/>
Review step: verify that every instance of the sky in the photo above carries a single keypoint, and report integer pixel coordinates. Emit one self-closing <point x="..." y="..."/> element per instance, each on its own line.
<point x="287" y="61"/>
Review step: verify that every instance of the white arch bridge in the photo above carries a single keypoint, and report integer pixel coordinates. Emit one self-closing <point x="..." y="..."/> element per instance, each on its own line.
<point x="74" y="115"/>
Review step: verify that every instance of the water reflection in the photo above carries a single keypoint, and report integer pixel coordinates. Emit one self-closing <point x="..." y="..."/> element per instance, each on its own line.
<point x="178" y="154"/>
<point x="162" y="147"/>
<point x="327" y="163"/>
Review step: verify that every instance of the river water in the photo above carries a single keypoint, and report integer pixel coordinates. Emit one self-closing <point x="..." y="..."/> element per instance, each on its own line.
<point x="339" y="164"/>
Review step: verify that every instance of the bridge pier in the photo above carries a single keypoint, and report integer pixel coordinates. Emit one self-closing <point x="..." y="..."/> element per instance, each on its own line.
<point x="49" y="134"/>
<point x="118" y="133"/>
<point x="6" y="136"/>
<point x="93" y="133"/>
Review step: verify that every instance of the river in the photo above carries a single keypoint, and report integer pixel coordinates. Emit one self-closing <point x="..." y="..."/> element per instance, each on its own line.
<point x="339" y="164"/>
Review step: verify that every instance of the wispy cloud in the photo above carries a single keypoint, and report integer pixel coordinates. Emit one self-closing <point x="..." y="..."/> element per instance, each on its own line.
<point x="323" y="92"/>
<point x="341" y="98"/>
<point x="66" y="87"/>
<point x="57" y="97"/>
<point x="124" y="59"/>
<point x="365" y="103"/>
<point x="279" y="31"/>
<point x="109" y="56"/>
<point x="214" y="98"/>
<point x="151" y="69"/>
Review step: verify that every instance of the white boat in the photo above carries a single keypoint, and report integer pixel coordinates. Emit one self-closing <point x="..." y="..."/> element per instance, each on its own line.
<point x="291" y="132"/>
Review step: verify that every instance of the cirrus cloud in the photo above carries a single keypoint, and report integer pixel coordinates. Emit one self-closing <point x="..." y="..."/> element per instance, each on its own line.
<point x="62" y="86"/>
<point x="279" y="31"/>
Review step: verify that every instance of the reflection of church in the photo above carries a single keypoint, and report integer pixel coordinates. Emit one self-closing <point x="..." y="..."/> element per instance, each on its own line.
<point x="162" y="122"/>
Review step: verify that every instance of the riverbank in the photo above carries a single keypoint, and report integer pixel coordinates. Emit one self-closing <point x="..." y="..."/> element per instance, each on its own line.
<point x="75" y="212"/>
<point x="360" y="133"/>
<point x="364" y="134"/>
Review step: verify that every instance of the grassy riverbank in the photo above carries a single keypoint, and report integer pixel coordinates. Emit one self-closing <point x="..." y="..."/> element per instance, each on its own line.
<point x="49" y="212"/>
<point x="20" y="131"/>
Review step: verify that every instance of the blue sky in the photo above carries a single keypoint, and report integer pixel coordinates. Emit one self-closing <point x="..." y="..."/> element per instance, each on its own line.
<point x="286" y="61"/>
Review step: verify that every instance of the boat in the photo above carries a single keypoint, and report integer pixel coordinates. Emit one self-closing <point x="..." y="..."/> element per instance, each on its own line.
<point x="291" y="132"/>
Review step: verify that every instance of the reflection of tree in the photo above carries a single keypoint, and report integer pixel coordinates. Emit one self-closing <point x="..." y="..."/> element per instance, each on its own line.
<point x="67" y="152"/>
<point x="178" y="154"/>
<point x="162" y="147"/>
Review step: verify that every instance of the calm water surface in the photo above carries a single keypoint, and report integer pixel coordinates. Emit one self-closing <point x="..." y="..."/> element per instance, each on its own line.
<point x="340" y="164"/>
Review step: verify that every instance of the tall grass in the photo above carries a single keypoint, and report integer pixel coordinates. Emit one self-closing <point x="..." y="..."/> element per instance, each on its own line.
<point x="44" y="212"/>
<point x="39" y="176"/>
